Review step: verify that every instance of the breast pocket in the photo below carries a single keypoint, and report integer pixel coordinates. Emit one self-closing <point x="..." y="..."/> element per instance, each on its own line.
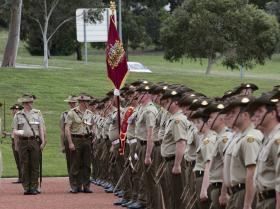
<point x="263" y="157"/>
<point x="20" y="124"/>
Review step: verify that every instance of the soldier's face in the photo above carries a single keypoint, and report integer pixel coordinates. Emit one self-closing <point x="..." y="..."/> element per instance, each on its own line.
<point x="214" y="120"/>
<point x="258" y="115"/>
<point x="199" y="124"/>
<point x="246" y="92"/>
<point x="231" y="116"/>
<point x="28" y="105"/>
<point x="72" y="104"/>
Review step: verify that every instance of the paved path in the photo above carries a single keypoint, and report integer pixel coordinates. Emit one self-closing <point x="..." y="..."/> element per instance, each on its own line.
<point x="54" y="196"/>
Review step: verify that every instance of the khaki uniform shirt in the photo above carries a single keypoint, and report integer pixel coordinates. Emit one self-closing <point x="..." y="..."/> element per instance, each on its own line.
<point x="227" y="157"/>
<point x="265" y="175"/>
<point x="176" y="129"/>
<point x="164" y="118"/>
<point x="244" y="153"/>
<point x="114" y="126"/>
<point x="205" y="150"/>
<point x="35" y="119"/>
<point x="216" y="168"/>
<point x="192" y="143"/>
<point x="80" y="123"/>
<point x="99" y="125"/>
<point x="157" y="125"/>
<point x="146" y="120"/>
<point x="130" y="133"/>
<point x="106" y="125"/>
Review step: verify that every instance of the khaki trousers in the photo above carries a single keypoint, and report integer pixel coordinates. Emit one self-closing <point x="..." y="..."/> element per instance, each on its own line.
<point x="153" y="193"/>
<point x="176" y="185"/>
<point x="198" y="185"/>
<point x="16" y="156"/>
<point x="214" y="194"/>
<point x="267" y="204"/>
<point x="80" y="163"/>
<point x="29" y="154"/>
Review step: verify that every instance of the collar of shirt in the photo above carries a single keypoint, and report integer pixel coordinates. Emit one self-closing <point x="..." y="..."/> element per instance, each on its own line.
<point x="251" y="126"/>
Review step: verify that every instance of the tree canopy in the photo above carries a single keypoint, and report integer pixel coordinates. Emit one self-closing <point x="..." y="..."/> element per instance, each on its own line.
<point x="234" y="30"/>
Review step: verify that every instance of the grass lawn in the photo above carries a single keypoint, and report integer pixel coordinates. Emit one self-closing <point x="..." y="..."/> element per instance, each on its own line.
<point x="53" y="85"/>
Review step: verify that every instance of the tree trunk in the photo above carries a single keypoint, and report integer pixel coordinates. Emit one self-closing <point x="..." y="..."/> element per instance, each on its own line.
<point x="79" y="52"/>
<point x="10" y="54"/>
<point x="211" y="61"/>
<point x="46" y="58"/>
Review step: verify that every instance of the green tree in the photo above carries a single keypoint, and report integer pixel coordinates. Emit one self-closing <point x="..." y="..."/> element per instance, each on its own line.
<point x="232" y="30"/>
<point x="43" y="19"/>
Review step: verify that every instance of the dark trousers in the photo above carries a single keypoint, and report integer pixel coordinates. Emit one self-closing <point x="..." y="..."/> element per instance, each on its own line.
<point x="29" y="154"/>
<point x="80" y="163"/>
<point x="176" y="184"/>
<point x="16" y="156"/>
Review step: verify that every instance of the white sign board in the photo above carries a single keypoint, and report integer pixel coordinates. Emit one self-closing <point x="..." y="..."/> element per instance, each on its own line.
<point x="91" y="32"/>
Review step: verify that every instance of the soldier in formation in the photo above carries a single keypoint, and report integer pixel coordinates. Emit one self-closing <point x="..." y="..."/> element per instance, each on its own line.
<point x="185" y="150"/>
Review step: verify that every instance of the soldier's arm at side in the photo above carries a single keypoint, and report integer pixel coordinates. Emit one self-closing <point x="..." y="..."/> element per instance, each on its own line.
<point x="62" y="134"/>
<point x="277" y="200"/>
<point x="42" y="136"/>
<point x="69" y="138"/>
<point x="150" y="146"/>
<point x="249" y="191"/>
<point x="180" y="151"/>
<point x="205" y="182"/>
<point x="15" y="128"/>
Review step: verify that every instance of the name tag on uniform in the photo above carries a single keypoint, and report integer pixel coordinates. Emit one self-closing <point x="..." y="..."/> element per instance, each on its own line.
<point x="34" y="122"/>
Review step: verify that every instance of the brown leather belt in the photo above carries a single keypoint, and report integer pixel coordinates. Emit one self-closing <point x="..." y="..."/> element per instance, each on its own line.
<point x="168" y="159"/>
<point x="28" y="138"/>
<point x="216" y="185"/>
<point x="199" y="174"/>
<point x="237" y="188"/>
<point x="80" y="136"/>
<point x="157" y="143"/>
<point x="190" y="163"/>
<point x="143" y="143"/>
<point x="266" y="195"/>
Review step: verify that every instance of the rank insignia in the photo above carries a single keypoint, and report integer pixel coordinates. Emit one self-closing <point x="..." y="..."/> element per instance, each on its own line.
<point x="277" y="141"/>
<point x="250" y="139"/>
<point x="225" y="140"/>
<point x="206" y="141"/>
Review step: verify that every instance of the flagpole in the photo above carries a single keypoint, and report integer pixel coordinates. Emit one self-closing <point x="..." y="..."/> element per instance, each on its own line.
<point x="117" y="91"/>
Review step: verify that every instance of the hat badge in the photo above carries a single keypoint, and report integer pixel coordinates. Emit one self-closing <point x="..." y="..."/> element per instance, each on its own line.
<point x="173" y="93"/>
<point x="245" y="100"/>
<point x="274" y="100"/>
<point x="204" y="102"/>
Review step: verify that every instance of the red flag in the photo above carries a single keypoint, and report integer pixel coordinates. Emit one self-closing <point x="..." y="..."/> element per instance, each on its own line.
<point x="115" y="56"/>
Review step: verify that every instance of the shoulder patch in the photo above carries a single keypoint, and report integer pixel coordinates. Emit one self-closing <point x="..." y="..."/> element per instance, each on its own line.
<point x="225" y="140"/>
<point x="250" y="139"/>
<point x="206" y="141"/>
<point x="277" y="141"/>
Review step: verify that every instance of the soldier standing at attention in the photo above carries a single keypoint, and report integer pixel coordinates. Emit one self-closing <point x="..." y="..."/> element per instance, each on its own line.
<point x="145" y="125"/>
<point x="267" y="178"/>
<point x="63" y="140"/>
<point x="28" y="130"/>
<point x="173" y="149"/>
<point x="244" y="156"/>
<point x="217" y="123"/>
<point x="15" y="108"/>
<point x="77" y="129"/>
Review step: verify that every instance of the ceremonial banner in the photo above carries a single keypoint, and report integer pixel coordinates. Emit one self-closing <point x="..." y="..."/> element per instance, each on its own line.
<point x="115" y="56"/>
